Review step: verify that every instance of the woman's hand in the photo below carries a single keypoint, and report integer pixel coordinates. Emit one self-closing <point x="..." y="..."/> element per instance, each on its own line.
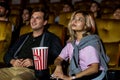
<point x="58" y="73"/>
<point x="64" y="77"/>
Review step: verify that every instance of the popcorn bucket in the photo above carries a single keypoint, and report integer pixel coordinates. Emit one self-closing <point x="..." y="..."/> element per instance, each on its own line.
<point x="40" y="55"/>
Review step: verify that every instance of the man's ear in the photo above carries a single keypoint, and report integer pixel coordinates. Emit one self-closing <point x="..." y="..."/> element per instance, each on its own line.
<point x="7" y="12"/>
<point x="45" y="22"/>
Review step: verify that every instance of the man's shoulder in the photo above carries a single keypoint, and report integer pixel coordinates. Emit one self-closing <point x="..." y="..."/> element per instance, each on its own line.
<point x="51" y="35"/>
<point x="24" y="36"/>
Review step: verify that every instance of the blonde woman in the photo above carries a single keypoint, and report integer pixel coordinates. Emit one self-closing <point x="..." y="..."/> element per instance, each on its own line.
<point x="84" y="51"/>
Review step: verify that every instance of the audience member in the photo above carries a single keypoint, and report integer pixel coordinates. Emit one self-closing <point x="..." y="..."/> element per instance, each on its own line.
<point x="116" y="14"/>
<point x="67" y="7"/>
<point x="24" y="19"/>
<point x="4" y="16"/>
<point x="5" y="35"/>
<point x="20" y="56"/>
<point x="4" y="11"/>
<point x="95" y="9"/>
<point x="84" y="51"/>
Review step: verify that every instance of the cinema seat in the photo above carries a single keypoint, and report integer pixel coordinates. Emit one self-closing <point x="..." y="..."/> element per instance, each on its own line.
<point x="25" y="29"/>
<point x="5" y="39"/>
<point x="64" y="18"/>
<point x="108" y="31"/>
<point x="59" y="30"/>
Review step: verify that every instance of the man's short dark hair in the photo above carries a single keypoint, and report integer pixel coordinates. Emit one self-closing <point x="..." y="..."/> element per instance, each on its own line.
<point x="5" y="5"/>
<point x="42" y="9"/>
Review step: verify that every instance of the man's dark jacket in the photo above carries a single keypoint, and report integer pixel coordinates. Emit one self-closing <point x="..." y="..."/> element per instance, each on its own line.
<point x="50" y="40"/>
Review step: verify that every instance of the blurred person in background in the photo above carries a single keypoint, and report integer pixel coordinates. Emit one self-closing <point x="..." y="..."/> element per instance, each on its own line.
<point x="4" y="11"/>
<point x="116" y="14"/>
<point x="67" y="7"/>
<point x="24" y="19"/>
<point x="95" y="9"/>
<point x="5" y="36"/>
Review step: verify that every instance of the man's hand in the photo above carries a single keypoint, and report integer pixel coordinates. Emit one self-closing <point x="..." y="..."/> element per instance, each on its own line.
<point x="21" y="62"/>
<point x="16" y="62"/>
<point x="27" y="62"/>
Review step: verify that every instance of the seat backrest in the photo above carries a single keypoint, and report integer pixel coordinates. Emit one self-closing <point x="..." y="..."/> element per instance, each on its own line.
<point x="113" y="51"/>
<point x="107" y="10"/>
<point x="82" y="5"/>
<point x="13" y="19"/>
<point x="108" y="29"/>
<point x="51" y="19"/>
<point x="5" y="37"/>
<point x="64" y="18"/>
<point x="58" y="30"/>
<point x="25" y="29"/>
<point x="15" y="11"/>
<point x="107" y="15"/>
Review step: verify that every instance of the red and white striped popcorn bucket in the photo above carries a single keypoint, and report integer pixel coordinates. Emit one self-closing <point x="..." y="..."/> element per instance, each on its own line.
<point x="40" y="55"/>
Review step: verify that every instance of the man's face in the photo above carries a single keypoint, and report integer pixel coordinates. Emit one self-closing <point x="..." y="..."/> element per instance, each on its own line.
<point x="2" y="11"/>
<point x="117" y="14"/>
<point x="37" y="21"/>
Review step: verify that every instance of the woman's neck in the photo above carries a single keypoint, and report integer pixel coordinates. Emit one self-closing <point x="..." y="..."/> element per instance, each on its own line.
<point x="79" y="36"/>
<point x="27" y="22"/>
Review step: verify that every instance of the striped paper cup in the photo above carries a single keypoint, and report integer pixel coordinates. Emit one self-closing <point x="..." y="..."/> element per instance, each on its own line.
<point x="40" y="55"/>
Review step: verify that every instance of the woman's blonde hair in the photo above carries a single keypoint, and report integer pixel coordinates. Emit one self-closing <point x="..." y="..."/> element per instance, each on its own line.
<point x="89" y="25"/>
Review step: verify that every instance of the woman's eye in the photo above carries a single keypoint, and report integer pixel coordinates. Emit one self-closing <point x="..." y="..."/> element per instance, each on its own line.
<point x="80" y="19"/>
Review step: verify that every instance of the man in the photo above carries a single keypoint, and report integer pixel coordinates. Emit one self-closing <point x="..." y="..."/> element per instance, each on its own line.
<point x="20" y="55"/>
<point x="5" y="16"/>
<point x="5" y="31"/>
<point x="4" y="11"/>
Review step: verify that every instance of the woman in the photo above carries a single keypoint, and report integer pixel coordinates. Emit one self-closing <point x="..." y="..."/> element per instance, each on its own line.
<point x="67" y="7"/>
<point x="84" y="51"/>
<point x="116" y="14"/>
<point x="23" y="20"/>
<point x="95" y="9"/>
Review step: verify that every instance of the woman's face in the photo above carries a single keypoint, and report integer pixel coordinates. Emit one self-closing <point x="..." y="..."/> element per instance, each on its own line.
<point x="94" y="7"/>
<point x="78" y="22"/>
<point x="26" y="15"/>
<point x="66" y="8"/>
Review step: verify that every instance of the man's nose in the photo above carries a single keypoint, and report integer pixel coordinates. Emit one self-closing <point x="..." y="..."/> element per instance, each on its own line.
<point x="33" y="19"/>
